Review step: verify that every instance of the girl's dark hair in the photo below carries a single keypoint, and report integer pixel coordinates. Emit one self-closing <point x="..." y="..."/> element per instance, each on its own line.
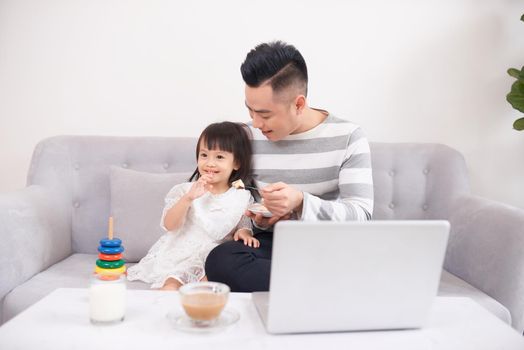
<point x="277" y="62"/>
<point x="230" y="137"/>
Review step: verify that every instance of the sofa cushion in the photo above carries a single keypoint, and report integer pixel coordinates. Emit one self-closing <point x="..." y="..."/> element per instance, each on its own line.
<point x="453" y="286"/>
<point x="412" y="181"/>
<point x="137" y="200"/>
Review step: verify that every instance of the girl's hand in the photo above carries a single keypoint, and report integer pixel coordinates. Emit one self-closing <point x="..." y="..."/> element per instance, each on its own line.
<point x="200" y="187"/>
<point x="246" y="236"/>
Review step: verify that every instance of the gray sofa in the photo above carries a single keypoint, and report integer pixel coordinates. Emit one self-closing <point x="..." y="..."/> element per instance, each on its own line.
<point x="49" y="231"/>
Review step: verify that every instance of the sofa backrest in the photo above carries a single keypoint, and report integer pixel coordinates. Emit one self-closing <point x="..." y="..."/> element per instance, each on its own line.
<point x="416" y="180"/>
<point x="77" y="168"/>
<point x="412" y="181"/>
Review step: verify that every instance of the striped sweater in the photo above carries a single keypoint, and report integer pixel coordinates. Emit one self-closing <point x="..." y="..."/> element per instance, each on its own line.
<point x="330" y="164"/>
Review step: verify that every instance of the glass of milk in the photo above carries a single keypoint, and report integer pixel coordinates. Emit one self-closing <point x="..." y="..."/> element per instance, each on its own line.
<point x="107" y="298"/>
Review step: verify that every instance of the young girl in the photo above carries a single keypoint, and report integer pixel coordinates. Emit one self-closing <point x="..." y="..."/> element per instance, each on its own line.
<point x="200" y="215"/>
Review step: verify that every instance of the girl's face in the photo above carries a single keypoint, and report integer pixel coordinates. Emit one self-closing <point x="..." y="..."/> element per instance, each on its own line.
<point x="216" y="163"/>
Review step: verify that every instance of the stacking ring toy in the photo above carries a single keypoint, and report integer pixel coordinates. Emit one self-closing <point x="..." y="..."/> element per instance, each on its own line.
<point x="111" y="277"/>
<point x="110" y="257"/>
<point x="110" y="250"/>
<point x="115" y="242"/>
<point x="110" y="264"/>
<point x="102" y="271"/>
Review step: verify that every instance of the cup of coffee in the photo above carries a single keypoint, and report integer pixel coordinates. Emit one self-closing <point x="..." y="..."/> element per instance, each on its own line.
<point x="204" y="301"/>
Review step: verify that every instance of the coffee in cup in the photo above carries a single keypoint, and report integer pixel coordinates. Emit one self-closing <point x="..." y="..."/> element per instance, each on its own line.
<point x="203" y="302"/>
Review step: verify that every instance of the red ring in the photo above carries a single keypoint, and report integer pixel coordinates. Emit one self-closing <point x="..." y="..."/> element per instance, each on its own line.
<point x="110" y="257"/>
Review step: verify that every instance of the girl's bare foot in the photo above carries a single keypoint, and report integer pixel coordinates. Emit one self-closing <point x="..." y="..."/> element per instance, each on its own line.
<point x="171" y="284"/>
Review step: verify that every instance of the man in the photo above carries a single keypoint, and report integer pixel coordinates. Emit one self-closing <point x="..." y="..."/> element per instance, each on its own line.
<point x="308" y="164"/>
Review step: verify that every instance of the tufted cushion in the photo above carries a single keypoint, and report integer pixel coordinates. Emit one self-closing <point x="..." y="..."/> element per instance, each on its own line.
<point x="76" y="169"/>
<point x="137" y="200"/>
<point x="416" y="181"/>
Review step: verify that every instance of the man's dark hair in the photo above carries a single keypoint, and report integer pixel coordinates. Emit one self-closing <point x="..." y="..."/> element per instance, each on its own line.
<point x="278" y="63"/>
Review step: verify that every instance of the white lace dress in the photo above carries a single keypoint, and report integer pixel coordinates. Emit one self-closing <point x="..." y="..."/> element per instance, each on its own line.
<point x="181" y="254"/>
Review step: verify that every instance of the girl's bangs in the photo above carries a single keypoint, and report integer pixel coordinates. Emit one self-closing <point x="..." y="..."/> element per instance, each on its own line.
<point x="217" y="140"/>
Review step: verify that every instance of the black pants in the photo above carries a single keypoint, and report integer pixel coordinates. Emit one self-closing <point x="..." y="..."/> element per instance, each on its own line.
<point x="242" y="268"/>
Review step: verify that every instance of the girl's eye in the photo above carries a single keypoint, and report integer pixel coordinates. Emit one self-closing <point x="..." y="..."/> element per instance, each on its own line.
<point x="220" y="156"/>
<point x="203" y="155"/>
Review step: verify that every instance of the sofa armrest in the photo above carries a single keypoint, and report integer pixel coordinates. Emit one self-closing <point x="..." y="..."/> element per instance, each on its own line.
<point x="486" y="249"/>
<point x="35" y="232"/>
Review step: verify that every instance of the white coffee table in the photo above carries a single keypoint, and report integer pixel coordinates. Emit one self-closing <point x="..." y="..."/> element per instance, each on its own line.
<point x="61" y="321"/>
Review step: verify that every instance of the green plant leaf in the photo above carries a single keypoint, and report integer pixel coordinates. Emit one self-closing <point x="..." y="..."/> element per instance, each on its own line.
<point x="519" y="124"/>
<point x="516" y="95"/>
<point x="515" y="73"/>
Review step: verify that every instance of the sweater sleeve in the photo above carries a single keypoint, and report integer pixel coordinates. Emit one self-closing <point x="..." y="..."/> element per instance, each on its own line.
<point x="355" y="184"/>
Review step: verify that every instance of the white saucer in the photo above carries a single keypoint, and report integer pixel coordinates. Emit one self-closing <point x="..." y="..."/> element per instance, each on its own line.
<point x="182" y="322"/>
<point x="254" y="208"/>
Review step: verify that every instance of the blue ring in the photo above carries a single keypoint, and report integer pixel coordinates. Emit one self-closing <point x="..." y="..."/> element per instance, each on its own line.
<point x="115" y="242"/>
<point x="110" y="250"/>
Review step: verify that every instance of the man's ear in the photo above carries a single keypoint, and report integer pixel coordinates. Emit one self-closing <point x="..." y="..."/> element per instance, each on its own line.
<point x="300" y="103"/>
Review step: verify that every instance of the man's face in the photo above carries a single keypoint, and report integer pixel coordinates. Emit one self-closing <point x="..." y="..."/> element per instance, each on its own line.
<point x="274" y="118"/>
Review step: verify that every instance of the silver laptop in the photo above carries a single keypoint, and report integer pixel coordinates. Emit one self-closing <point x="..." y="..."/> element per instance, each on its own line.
<point x="350" y="276"/>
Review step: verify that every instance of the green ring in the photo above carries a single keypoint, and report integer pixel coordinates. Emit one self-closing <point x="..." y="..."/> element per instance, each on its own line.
<point x="110" y="264"/>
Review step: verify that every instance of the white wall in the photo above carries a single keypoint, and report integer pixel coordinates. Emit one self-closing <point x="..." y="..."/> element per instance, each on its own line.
<point x="406" y="70"/>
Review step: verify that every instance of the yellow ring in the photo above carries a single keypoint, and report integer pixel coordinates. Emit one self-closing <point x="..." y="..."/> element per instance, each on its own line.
<point x="116" y="271"/>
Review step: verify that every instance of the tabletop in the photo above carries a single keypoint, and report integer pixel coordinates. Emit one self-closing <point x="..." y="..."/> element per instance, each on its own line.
<point x="61" y="321"/>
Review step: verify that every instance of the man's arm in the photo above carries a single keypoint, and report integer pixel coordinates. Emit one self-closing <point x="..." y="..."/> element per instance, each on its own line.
<point x="355" y="184"/>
